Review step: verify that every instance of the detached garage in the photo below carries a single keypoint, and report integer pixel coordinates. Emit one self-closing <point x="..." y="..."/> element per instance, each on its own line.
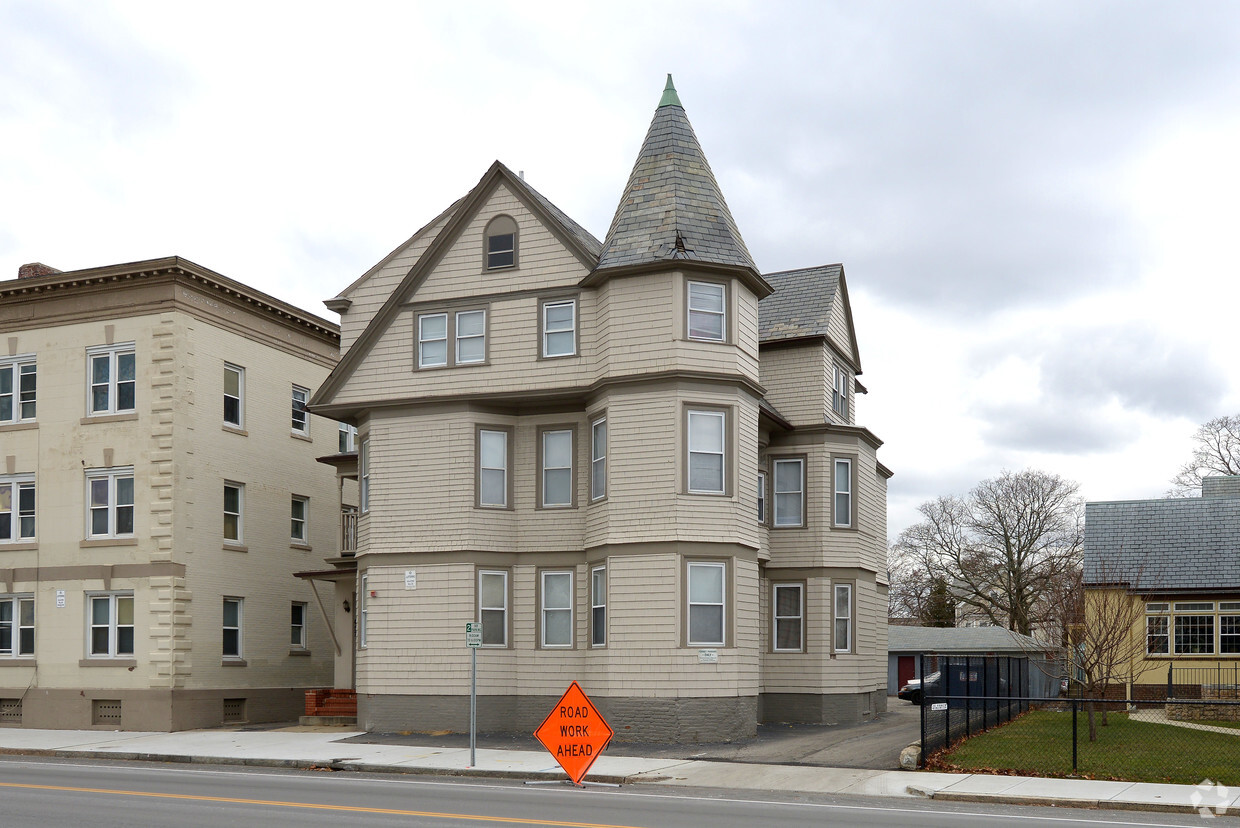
<point x="905" y="644"/>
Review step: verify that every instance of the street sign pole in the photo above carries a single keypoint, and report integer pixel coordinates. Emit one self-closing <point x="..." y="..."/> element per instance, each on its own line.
<point x="473" y="640"/>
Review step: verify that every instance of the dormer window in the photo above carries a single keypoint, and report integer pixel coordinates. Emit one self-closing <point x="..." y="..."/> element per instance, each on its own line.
<point x="501" y="243"/>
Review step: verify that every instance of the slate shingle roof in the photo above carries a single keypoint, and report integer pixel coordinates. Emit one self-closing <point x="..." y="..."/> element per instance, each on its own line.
<point x="672" y="195"/>
<point x="801" y="303"/>
<point x="1164" y="545"/>
<point x="960" y="640"/>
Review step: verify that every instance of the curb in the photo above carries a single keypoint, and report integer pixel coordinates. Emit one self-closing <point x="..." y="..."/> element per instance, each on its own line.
<point x="1047" y="802"/>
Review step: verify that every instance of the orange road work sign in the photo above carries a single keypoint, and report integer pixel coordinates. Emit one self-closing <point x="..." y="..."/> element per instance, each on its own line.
<point x="574" y="732"/>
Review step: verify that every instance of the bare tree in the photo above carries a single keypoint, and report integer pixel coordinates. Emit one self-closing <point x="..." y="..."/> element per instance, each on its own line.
<point x="1003" y="547"/>
<point x="915" y="593"/>
<point x="1216" y="450"/>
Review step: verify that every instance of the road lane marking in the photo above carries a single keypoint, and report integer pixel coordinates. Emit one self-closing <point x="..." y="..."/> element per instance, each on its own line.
<point x="315" y="806"/>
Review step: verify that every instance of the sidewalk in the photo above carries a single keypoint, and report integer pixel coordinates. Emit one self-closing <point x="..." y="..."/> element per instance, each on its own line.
<point x="305" y="747"/>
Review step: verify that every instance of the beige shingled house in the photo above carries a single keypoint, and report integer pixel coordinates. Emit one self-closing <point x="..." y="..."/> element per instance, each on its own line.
<point x="158" y="486"/>
<point x="635" y="462"/>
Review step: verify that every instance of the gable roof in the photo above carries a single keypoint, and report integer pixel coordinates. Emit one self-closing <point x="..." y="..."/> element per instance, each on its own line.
<point x="1177" y="544"/>
<point x="672" y="207"/>
<point x="575" y="238"/>
<point x="960" y="640"/>
<point x="801" y="305"/>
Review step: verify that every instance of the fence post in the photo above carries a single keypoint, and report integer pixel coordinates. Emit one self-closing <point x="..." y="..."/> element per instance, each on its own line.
<point x="986" y="688"/>
<point x="921" y="666"/>
<point x="1074" y="707"/>
<point x="1170" y="667"/>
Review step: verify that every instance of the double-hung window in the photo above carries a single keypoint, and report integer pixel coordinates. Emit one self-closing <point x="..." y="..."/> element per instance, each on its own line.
<point x="113" y="379"/>
<point x="788" y="601"/>
<point x="559" y="328"/>
<point x="234" y="512"/>
<point x="231" y="638"/>
<point x="234" y="395"/>
<point x="843" y="618"/>
<point x="1157" y="629"/>
<point x="493" y="468"/>
<point x="598" y="606"/>
<point x="706" y="452"/>
<point x="110" y="625"/>
<point x="557" y="609"/>
<point x="16" y="509"/>
<point x="458" y="338"/>
<point x="432" y="340"/>
<point x="301" y="417"/>
<point x="598" y="459"/>
<point x="707" y="311"/>
<point x="557" y="468"/>
<point x="363" y="474"/>
<point x="471" y="337"/>
<point x="839" y="393"/>
<point x="297" y="637"/>
<point x="493" y="607"/>
<point x="789" y="493"/>
<point x="16" y="626"/>
<point x="762" y="497"/>
<point x="300" y="519"/>
<point x="346" y="438"/>
<point x="1229" y="627"/>
<point x="110" y="500"/>
<point x="17" y="389"/>
<point x="843" y="488"/>
<point x="363" y="609"/>
<point x="707" y="604"/>
<point x="501" y="243"/>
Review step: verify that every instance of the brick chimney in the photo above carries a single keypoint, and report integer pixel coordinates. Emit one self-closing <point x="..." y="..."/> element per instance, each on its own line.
<point x="34" y="270"/>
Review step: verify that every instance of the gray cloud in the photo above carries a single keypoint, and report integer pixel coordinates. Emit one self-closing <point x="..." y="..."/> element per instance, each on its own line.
<point x="1054" y="427"/>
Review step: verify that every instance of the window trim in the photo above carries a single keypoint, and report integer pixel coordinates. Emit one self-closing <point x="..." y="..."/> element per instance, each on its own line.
<point x="597" y="492"/>
<point x="456" y="337"/>
<point x="486" y="244"/>
<point x="851" y="461"/>
<point x="304" y="431"/>
<point x="17" y="650"/>
<point x="799" y="586"/>
<point x="541" y="483"/>
<point x="506" y="609"/>
<point x="422" y="340"/>
<point x="16" y="365"/>
<point x="839" y="391"/>
<point x="17" y="484"/>
<point x="302" y="628"/>
<point x="725" y="416"/>
<point x="362" y="608"/>
<point x="801" y="461"/>
<point x="544" y="351"/>
<point x="114" y="625"/>
<point x="239" y="397"/>
<point x="595" y="606"/>
<point x="350" y="442"/>
<point x="114" y="353"/>
<point x="762" y="511"/>
<point x="113" y="475"/>
<point x="725" y="317"/>
<point x="240" y="513"/>
<point x="849" y="617"/>
<point x="304" y="520"/>
<point x="238" y="628"/>
<point x="726" y="631"/>
<point x="451" y="338"/>
<point x="1163" y="621"/>
<point x="543" y="609"/>
<point x="508" y="432"/>
<point x="1179" y="617"/>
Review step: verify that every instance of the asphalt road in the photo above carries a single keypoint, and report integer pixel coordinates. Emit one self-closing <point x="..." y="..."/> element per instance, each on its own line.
<point x="49" y="792"/>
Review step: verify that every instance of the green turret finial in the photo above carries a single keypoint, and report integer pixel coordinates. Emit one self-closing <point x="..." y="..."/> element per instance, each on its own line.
<point x="670" y="98"/>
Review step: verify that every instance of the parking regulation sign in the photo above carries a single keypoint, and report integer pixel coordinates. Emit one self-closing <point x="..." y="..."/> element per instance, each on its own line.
<point x="473" y="633"/>
<point x="574" y="732"/>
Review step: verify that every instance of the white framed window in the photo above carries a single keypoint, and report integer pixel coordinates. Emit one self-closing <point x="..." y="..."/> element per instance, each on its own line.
<point x="788" y="603"/>
<point x="18" y="381"/>
<point x="112" y="373"/>
<point x="842" y="515"/>
<point x="493" y="607"/>
<point x="707" y="603"/>
<point x="761" y="497"/>
<point x="301" y="417"/>
<point x="110" y="625"/>
<point x="598" y="459"/>
<point x="1157" y="635"/>
<point x="789" y="493"/>
<point x="432" y="340"/>
<point x="363" y="476"/>
<point x="363" y="603"/>
<point x="1229" y="628"/>
<point x="16" y="626"/>
<point x="557" y="609"/>
<point x="109" y="502"/>
<point x="843" y="618"/>
<point x="231" y="634"/>
<point x="297" y="626"/>
<point x="234" y="512"/>
<point x="559" y="328"/>
<point x="346" y="438"/>
<point x="707" y="311"/>
<point x="598" y="606"/>
<point x="1193" y="628"/>
<point x="300" y="532"/>
<point x="501" y="243"/>
<point x="706" y="452"/>
<point x="557" y="468"/>
<point x="471" y="337"/>
<point x="17" y="511"/>
<point x="839" y="393"/>
<point x="492" y="468"/>
<point x="234" y="395"/>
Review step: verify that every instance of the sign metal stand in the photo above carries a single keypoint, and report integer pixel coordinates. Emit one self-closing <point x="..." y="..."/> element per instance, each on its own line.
<point x="473" y="639"/>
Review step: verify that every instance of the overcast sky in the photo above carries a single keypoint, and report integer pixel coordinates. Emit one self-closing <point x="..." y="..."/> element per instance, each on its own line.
<point x="1035" y="202"/>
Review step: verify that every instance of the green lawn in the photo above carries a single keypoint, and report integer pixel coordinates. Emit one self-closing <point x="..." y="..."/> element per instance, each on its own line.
<point x="1039" y="743"/>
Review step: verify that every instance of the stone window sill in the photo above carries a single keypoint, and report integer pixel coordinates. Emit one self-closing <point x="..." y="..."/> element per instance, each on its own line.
<point x="17" y="662"/>
<point x="234" y="662"/>
<point x="299" y="652"/>
<point x="19" y="427"/>
<point x="109" y="418"/>
<point x="236" y="547"/>
<point x="128" y="663"/>
<point x="232" y="429"/>
<point x="91" y="543"/>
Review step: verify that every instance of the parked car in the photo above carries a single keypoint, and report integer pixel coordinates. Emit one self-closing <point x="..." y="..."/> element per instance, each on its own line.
<point x="912" y="691"/>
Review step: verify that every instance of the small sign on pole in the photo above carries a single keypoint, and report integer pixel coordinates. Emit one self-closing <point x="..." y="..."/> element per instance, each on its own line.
<point x="574" y="733"/>
<point x="473" y="634"/>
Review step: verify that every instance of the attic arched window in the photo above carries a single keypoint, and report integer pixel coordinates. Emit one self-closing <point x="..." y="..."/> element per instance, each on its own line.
<point x="501" y="243"/>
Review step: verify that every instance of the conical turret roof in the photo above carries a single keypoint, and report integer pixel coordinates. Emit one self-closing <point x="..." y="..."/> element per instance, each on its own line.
<point x="672" y="206"/>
